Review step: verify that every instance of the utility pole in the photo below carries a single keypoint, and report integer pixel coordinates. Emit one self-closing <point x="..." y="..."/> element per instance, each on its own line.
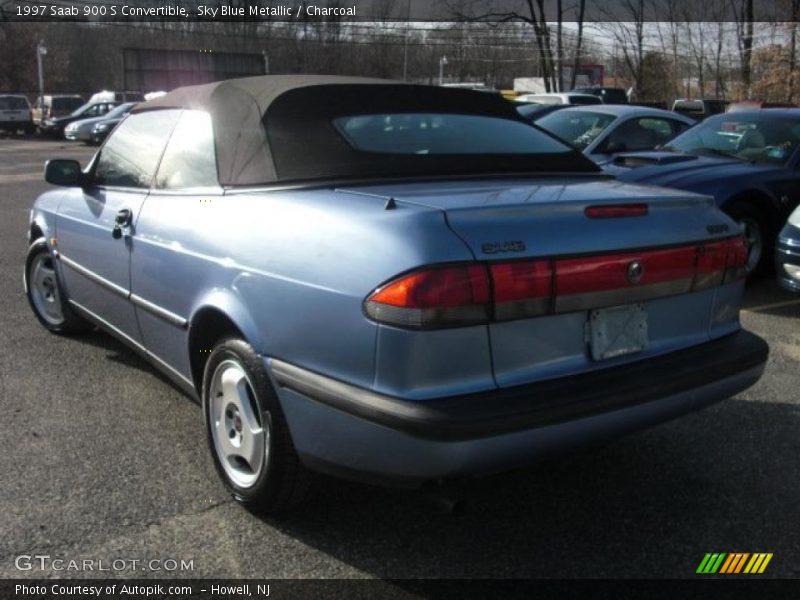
<point x="442" y="63"/>
<point x="40" y="52"/>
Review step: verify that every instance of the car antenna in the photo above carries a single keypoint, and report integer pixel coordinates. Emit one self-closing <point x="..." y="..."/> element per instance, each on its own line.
<point x="390" y="204"/>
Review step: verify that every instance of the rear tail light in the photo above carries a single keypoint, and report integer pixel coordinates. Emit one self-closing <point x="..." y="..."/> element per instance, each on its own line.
<point x="433" y="298"/>
<point x="736" y="265"/>
<point x="522" y="289"/>
<point x="583" y="283"/>
<point x="711" y="263"/>
<point x="472" y="294"/>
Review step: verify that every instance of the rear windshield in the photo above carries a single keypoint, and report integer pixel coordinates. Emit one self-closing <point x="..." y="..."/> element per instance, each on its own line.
<point x="13" y="103"/>
<point x="585" y="100"/>
<point x="69" y="104"/>
<point x="432" y="133"/>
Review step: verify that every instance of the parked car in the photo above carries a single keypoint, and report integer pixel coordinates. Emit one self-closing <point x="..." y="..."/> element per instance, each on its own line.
<point x="83" y="130"/>
<point x="787" y="254"/>
<point x="55" y="127"/>
<point x="552" y="98"/>
<point x="380" y="286"/>
<point x="699" y="109"/>
<point x="15" y="114"/>
<point x="600" y="132"/>
<point x="756" y="104"/>
<point x="102" y="128"/>
<point x="117" y="97"/>
<point x="748" y="161"/>
<point x="54" y="106"/>
<point x="609" y="95"/>
<point x="532" y="111"/>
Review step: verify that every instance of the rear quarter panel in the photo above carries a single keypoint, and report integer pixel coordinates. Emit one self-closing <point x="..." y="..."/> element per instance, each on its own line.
<point x="291" y="268"/>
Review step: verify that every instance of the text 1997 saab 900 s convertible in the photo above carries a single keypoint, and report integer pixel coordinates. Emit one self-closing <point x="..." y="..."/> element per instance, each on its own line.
<point x="393" y="282"/>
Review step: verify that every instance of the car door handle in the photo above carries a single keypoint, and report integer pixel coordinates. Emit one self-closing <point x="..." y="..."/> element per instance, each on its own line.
<point x="121" y="221"/>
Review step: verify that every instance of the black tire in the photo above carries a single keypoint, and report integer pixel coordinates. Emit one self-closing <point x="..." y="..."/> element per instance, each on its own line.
<point x="71" y="323"/>
<point x="750" y="215"/>
<point x="282" y="483"/>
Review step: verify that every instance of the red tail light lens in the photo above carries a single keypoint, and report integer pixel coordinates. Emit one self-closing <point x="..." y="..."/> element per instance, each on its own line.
<point x="433" y="298"/>
<point x="615" y="211"/>
<point x="522" y="289"/>
<point x="736" y="264"/>
<point x="711" y="260"/>
<point x="591" y="282"/>
<point x="472" y="294"/>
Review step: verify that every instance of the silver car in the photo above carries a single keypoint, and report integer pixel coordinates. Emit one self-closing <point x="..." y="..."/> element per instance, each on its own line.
<point x="603" y="131"/>
<point x="82" y="130"/>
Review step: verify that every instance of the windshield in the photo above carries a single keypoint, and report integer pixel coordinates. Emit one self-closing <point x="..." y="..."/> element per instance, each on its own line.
<point x="13" y="103"/>
<point x="579" y="127"/>
<point x="752" y="137"/>
<point x="119" y="111"/>
<point x="434" y="133"/>
<point x="79" y="111"/>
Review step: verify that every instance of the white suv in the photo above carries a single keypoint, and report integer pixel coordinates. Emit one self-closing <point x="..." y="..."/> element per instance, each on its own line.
<point x="15" y="113"/>
<point x="556" y="98"/>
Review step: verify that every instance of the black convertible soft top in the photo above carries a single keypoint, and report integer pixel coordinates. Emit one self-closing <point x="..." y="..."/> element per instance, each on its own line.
<point x="278" y="129"/>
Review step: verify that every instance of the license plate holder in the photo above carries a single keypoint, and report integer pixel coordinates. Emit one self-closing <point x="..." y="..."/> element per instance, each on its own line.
<point x="617" y="331"/>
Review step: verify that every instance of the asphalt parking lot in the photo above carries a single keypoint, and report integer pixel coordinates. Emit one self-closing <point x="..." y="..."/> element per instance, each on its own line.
<point x="101" y="458"/>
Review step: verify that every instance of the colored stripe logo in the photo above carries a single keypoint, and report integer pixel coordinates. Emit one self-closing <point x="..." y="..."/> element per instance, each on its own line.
<point x="734" y="563"/>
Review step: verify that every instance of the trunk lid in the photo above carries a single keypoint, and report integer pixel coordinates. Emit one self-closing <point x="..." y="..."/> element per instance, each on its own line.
<point x="521" y="219"/>
<point x="547" y="219"/>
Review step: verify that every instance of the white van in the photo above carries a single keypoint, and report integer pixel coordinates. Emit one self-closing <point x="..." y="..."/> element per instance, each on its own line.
<point x="15" y="113"/>
<point x="118" y="97"/>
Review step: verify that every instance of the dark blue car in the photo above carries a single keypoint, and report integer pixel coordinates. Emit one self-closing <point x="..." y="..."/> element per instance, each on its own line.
<point x="748" y="161"/>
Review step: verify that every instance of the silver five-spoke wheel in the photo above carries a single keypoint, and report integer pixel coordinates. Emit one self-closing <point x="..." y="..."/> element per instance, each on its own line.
<point x="44" y="289"/>
<point x="240" y="434"/>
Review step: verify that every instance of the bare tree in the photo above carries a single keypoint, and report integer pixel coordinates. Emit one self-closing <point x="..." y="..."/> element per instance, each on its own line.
<point x="578" y="43"/>
<point x="744" y="15"/>
<point x="794" y="16"/>
<point x="626" y="28"/>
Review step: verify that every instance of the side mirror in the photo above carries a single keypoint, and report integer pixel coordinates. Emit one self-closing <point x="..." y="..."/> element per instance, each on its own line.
<point x="63" y="171"/>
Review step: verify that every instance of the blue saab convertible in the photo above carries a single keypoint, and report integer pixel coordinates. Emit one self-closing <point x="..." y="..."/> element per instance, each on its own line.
<point x="402" y="283"/>
<point x="747" y="160"/>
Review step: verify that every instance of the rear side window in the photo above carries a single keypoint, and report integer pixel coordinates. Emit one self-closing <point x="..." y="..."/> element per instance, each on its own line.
<point x="189" y="160"/>
<point x="13" y="103"/>
<point x="130" y="156"/>
<point x="433" y="133"/>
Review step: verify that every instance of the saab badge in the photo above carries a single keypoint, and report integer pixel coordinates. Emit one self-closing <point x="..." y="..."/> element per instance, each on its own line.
<point x="635" y="272"/>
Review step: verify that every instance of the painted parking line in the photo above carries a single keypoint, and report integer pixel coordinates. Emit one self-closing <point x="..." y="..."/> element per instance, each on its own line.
<point x="764" y="307"/>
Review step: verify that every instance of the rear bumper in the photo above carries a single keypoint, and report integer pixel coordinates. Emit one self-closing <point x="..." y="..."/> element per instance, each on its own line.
<point x="787" y="252"/>
<point x="357" y="433"/>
